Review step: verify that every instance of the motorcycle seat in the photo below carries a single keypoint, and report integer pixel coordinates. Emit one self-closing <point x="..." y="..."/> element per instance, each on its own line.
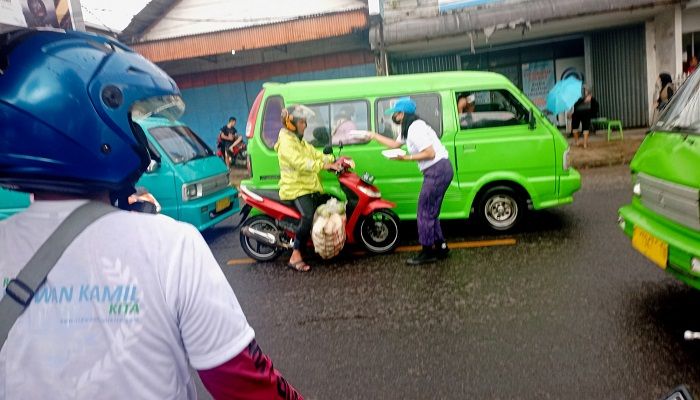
<point x="273" y="195"/>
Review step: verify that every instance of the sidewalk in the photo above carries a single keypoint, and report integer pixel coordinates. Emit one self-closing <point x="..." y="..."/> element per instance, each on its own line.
<point x="601" y="153"/>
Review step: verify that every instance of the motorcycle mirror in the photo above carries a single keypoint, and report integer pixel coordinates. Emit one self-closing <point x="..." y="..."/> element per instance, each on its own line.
<point x="152" y="166"/>
<point x="328" y="149"/>
<point x="679" y="393"/>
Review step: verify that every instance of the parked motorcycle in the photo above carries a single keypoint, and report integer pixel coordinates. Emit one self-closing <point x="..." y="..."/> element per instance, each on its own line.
<point x="370" y="220"/>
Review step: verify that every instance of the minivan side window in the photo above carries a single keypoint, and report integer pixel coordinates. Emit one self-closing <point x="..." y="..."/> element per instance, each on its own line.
<point x="335" y="123"/>
<point x="272" y="120"/>
<point x="489" y="108"/>
<point x="427" y="108"/>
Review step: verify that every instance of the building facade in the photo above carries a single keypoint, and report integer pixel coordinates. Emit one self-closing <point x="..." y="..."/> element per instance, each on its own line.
<point x="617" y="47"/>
<point x="221" y="55"/>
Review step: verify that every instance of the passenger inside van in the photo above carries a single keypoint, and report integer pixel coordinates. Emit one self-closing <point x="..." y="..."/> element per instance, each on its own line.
<point x="465" y="108"/>
<point x="320" y="137"/>
<point x="488" y="109"/>
<point x="343" y="126"/>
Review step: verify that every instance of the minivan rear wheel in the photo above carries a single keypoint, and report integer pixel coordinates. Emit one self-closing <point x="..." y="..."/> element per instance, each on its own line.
<point x="501" y="208"/>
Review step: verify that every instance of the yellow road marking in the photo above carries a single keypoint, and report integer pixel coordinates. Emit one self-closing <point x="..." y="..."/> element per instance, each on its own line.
<point x="464" y="245"/>
<point x="404" y="249"/>
<point x="240" y="261"/>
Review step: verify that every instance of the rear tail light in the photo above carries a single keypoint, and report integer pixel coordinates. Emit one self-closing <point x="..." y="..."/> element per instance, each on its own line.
<point x="253" y="115"/>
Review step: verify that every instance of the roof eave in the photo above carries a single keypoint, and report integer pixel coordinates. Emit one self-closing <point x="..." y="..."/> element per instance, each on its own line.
<point x="298" y="30"/>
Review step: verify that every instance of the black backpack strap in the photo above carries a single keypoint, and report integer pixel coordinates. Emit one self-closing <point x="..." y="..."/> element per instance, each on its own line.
<point x="20" y="291"/>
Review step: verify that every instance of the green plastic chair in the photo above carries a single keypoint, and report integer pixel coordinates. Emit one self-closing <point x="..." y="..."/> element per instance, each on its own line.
<point x="614" y="124"/>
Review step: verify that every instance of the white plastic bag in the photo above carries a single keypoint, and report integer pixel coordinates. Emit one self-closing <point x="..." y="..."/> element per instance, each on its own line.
<point x="328" y="232"/>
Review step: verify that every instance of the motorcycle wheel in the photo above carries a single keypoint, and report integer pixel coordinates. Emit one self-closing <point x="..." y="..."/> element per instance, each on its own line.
<point x="379" y="231"/>
<point x="256" y="250"/>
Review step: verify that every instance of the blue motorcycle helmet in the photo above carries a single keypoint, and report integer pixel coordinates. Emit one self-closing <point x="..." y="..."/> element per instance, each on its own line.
<point x="68" y="102"/>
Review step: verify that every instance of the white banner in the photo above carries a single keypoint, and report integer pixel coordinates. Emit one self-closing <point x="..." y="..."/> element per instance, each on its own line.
<point x="11" y="13"/>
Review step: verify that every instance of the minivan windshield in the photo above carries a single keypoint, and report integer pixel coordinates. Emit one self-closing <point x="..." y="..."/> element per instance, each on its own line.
<point x="180" y="143"/>
<point x="683" y="112"/>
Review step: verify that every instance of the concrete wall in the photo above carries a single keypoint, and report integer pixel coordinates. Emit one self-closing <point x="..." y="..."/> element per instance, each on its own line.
<point x="650" y="33"/>
<point x="664" y="49"/>
<point x="208" y="107"/>
<point x="691" y="20"/>
<point x="668" y="41"/>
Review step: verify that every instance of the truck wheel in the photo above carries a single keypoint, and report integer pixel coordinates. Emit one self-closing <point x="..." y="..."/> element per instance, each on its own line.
<point x="256" y="250"/>
<point x="379" y="231"/>
<point x="501" y="209"/>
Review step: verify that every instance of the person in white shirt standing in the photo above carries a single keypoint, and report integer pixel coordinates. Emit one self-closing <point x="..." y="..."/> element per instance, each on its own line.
<point x="136" y="299"/>
<point x="425" y="147"/>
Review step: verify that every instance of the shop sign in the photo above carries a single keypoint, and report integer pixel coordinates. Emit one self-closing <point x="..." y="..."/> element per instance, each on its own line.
<point x="538" y="80"/>
<point x="36" y="13"/>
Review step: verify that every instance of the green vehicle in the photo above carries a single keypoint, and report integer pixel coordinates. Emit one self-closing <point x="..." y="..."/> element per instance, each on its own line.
<point x="663" y="219"/>
<point x="506" y="155"/>
<point x="189" y="181"/>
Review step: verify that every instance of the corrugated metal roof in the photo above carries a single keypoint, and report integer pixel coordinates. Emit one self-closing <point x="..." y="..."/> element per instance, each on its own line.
<point x="255" y="37"/>
<point x="166" y="19"/>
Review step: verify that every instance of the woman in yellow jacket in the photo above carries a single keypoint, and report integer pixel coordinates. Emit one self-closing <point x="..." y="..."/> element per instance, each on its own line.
<point x="300" y="164"/>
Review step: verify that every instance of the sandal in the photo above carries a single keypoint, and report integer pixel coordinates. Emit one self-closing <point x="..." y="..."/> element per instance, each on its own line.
<point x="299" y="266"/>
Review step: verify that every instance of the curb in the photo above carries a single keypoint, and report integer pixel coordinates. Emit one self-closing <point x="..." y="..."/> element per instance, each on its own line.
<point x="605" y="154"/>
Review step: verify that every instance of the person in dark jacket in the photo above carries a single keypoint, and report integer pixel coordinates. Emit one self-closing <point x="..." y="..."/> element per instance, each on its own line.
<point x="666" y="91"/>
<point x="585" y="109"/>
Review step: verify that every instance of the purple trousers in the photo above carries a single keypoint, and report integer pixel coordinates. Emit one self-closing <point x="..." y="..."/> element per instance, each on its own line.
<point x="436" y="180"/>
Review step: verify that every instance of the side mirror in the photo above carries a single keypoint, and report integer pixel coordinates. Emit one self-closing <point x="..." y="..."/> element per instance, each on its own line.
<point x="328" y="149"/>
<point x="153" y="166"/>
<point x="679" y="393"/>
<point x="531" y="120"/>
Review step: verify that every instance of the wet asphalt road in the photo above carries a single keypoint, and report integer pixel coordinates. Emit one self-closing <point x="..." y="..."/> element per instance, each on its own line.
<point x="569" y="311"/>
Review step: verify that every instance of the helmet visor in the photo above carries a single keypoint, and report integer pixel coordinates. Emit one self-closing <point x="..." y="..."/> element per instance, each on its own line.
<point x="171" y="107"/>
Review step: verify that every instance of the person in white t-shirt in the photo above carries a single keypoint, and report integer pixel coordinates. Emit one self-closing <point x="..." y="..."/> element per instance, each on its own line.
<point x="136" y="299"/>
<point x="425" y="147"/>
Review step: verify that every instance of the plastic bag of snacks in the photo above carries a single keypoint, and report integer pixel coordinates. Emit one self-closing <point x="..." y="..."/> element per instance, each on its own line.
<point x="328" y="232"/>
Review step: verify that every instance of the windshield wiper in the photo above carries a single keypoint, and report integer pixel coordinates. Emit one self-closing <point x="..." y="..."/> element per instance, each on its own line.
<point x="195" y="157"/>
<point x="684" y="128"/>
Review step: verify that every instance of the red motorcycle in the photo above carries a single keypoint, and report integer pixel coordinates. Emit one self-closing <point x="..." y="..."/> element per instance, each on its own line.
<point x="370" y="220"/>
<point x="238" y="153"/>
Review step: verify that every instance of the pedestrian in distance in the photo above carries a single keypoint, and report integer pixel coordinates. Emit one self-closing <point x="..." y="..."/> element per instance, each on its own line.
<point x="229" y="139"/>
<point x="425" y="147"/>
<point x="135" y="300"/>
<point x="665" y="83"/>
<point x="692" y="64"/>
<point x="585" y="109"/>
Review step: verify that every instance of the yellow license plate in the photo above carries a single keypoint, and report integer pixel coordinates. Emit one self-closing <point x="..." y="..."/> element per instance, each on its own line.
<point x="222" y="204"/>
<point x="654" y="249"/>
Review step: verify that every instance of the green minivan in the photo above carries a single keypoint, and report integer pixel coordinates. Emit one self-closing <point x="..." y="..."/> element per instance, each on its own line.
<point x="663" y="218"/>
<point x="507" y="156"/>
<point x="189" y="181"/>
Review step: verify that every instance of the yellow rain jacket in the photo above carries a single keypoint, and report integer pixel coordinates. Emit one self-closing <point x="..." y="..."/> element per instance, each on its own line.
<point x="300" y="164"/>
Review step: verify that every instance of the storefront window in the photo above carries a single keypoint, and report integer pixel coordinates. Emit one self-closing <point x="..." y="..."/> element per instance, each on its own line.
<point x="510" y="62"/>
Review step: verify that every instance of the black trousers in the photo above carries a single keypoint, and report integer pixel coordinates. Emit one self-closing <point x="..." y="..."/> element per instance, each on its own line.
<point x="307" y="205"/>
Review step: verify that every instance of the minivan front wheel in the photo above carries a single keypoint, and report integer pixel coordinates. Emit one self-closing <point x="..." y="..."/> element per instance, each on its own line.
<point x="501" y="209"/>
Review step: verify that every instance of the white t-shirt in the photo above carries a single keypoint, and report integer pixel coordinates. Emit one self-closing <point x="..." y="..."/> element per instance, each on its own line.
<point x="132" y="300"/>
<point x="420" y="137"/>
